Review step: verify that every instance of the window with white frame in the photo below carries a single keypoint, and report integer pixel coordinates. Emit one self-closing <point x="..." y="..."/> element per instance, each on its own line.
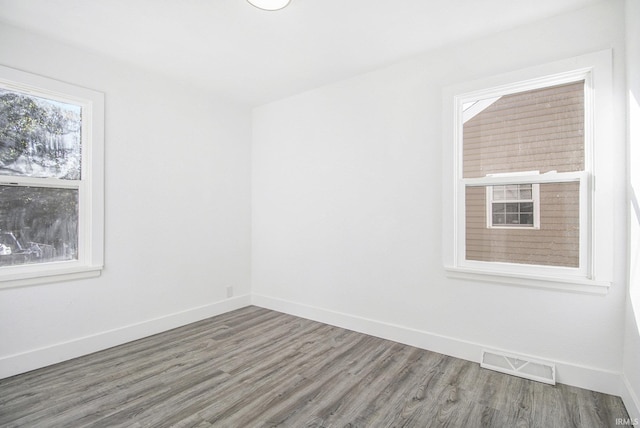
<point x="513" y="206"/>
<point x="524" y="148"/>
<point x="51" y="180"/>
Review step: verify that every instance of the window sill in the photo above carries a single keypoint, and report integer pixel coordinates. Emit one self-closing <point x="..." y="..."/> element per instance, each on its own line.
<point x="50" y="276"/>
<point x="577" y="285"/>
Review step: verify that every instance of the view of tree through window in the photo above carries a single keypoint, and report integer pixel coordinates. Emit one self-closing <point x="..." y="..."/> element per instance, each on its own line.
<point x="39" y="138"/>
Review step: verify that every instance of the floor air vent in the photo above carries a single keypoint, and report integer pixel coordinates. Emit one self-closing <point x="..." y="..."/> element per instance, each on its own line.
<point x="518" y="365"/>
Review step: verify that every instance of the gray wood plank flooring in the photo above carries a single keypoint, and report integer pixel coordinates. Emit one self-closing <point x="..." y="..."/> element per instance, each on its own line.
<point x="259" y="368"/>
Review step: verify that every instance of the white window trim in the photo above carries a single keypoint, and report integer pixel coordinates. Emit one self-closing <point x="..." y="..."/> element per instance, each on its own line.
<point x="90" y="187"/>
<point x="595" y="272"/>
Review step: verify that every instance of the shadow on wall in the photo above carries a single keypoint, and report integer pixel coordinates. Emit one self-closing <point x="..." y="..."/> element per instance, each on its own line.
<point x="634" y="190"/>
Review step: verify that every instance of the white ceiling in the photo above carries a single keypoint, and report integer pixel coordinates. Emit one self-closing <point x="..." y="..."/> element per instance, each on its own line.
<point x="254" y="56"/>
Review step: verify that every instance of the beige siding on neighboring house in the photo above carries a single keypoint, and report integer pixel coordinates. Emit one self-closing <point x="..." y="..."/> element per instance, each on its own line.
<point x="540" y="130"/>
<point x="554" y="244"/>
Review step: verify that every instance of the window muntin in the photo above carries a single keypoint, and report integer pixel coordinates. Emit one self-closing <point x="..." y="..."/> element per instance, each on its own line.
<point x="51" y="180"/>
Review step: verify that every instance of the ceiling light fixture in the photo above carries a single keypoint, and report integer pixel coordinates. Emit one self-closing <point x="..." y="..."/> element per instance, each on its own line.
<point x="270" y="4"/>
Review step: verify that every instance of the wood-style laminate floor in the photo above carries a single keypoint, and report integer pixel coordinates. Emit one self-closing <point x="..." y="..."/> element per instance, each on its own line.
<point x="258" y="368"/>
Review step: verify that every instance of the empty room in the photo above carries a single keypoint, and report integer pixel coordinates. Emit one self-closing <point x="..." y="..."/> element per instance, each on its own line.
<point x="319" y="213"/>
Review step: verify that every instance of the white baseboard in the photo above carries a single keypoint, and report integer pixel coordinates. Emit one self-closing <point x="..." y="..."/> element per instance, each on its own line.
<point x="21" y="363"/>
<point x="608" y="382"/>
<point x="594" y="379"/>
<point x="630" y="400"/>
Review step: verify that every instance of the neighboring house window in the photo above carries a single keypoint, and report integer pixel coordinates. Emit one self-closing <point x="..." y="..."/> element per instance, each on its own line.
<point x="51" y="184"/>
<point x="524" y="153"/>
<point x="513" y="206"/>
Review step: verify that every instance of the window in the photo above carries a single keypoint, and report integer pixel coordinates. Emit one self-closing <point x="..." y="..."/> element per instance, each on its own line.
<point x="51" y="184"/>
<point x="524" y="149"/>
<point x="512" y="206"/>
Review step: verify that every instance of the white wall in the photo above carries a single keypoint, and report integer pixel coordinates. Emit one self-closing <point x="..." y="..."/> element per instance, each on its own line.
<point x="177" y="213"/>
<point x="631" y="366"/>
<point x="347" y="210"/>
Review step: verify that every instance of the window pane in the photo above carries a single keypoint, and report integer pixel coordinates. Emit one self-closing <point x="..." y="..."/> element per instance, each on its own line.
<point x="513" y="219"/>
<point x="538" y="130"/>
<point x="498" y="193"/>
<point x="513" y="208"/>
<point x="526" y="193"/>
<point x="39" y="137"/>
<point x="555" y="243"/>
<point x="511" y="192"/>
<point x="526" y="207"/>
<point x="499" y="219"/>
<point x="526" y="219"/>
<point x="38" y="225"/>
